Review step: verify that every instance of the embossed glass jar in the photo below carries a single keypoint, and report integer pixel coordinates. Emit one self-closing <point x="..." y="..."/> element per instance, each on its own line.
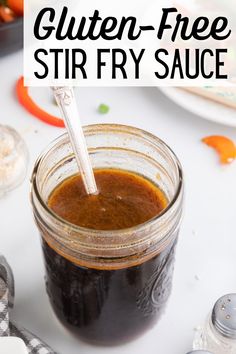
<point x="109" y="286"/>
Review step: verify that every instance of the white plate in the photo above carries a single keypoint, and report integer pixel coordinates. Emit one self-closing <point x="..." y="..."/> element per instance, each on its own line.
<point x="201" y="106"/>
<point x="12" y="345"/>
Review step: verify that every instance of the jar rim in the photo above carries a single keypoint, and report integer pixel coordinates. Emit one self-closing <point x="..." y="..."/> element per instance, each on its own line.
<point x="116" y="128"/>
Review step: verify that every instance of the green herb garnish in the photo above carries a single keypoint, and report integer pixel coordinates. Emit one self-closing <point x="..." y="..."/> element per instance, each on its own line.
<point x="103" y="108"/>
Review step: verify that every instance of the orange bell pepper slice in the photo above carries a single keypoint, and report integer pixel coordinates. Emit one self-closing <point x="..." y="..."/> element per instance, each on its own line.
<point x="27" y="102"/>
<point x="225" y="147"/>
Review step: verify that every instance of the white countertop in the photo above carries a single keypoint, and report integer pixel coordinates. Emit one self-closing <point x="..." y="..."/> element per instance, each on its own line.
<point x="206" y="255"/>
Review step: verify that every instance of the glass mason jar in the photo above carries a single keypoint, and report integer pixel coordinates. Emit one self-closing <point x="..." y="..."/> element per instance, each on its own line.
<point x="109" y="286"/>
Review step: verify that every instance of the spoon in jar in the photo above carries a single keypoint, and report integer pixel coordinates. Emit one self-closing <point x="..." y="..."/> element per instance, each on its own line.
<point x="66" y="101"/>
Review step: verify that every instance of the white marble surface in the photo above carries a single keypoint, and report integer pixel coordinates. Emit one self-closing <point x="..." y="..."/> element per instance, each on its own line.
<point x="206" y="255"/>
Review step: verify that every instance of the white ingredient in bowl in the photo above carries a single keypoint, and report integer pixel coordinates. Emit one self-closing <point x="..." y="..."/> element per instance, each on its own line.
<point x="13" y="159"/>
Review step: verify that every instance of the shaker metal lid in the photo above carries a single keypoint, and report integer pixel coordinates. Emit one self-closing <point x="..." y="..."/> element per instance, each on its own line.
<point x="224" y="316"/>
<point x="199" y="352"/>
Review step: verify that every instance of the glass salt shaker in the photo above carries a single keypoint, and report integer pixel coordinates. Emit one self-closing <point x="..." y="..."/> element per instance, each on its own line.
<point x="218" y="334"/>
<point x="13" y="159"/>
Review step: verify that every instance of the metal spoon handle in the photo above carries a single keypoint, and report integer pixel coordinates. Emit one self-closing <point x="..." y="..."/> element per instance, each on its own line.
<point x="66" y="101"/>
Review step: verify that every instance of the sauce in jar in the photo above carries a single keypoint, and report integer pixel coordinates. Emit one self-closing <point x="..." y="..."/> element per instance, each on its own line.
<point x="125" y="200"/>
<point x="108" y="306"/>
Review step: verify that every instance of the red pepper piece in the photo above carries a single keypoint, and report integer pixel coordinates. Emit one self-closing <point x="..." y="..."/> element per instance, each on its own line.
<point x="27" y="102"/>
